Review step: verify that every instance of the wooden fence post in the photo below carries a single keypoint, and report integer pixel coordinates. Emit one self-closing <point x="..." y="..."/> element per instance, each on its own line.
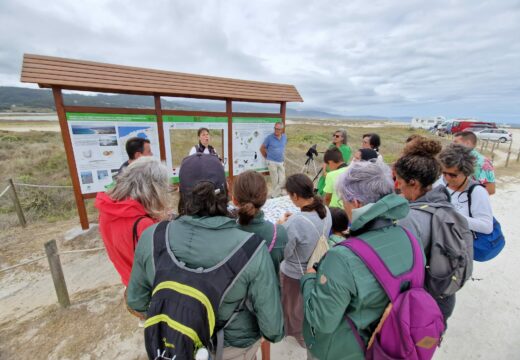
<point x="16" y="203"/>
<point x="509" y="152"/>
<point x="57" y="273"/>
<point x="493" y="151"/>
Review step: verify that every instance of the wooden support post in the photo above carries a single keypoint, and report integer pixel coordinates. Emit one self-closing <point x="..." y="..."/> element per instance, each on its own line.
<point x="509" y="152"/>
<point x="265" y="348"/>
<point x="283" y="108"/>
<point x="16" y="203"/>
<point x="481" y="146"/>
<point x="57" y="273"/>
<point x="518" y="156"/>
<point x="160" y="126"/>
<point x="67" y="142"/>
<point x="229" y="113"/>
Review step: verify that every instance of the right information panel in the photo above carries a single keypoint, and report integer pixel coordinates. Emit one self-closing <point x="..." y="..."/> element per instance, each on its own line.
<point x="248" y="136"/>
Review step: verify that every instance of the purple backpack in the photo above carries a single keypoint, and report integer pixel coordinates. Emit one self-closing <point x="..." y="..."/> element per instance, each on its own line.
<point x="412" y="324"/>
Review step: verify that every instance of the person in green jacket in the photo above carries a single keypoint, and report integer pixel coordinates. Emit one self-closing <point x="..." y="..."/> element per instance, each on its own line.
<point x="343" y="285"/>
<point x="339" y="141"/>
<point x="249" y="195"/>
<point x="202" y="237"/>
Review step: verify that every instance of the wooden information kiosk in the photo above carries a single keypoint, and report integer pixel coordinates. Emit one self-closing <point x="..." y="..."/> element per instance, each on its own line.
<point x="94" y="136"/>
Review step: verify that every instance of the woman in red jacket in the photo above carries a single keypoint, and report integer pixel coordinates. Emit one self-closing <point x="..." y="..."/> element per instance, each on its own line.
<point x="138" y="200"/>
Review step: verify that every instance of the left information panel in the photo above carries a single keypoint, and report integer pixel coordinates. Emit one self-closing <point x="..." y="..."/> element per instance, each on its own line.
<point x="98" y="142"/>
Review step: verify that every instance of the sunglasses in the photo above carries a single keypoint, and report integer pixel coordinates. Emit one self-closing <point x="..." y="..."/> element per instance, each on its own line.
<point x="451" y="175"/>
<point x="336" y="136"/>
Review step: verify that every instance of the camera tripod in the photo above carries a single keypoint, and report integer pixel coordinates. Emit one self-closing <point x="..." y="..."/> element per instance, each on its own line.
<point x="311" y="153"/>
<point x="307" y="166"/>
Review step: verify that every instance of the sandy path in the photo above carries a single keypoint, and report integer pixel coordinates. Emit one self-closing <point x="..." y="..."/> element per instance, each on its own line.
<point x="485" y="323"/>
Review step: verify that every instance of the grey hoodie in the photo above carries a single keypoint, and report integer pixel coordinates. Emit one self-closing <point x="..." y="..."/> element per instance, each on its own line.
<point x="419" y="222"/>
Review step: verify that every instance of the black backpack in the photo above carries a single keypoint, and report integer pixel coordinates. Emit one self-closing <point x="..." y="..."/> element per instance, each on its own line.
<point x="182" y="316"/>
<point x="450" y="261"/>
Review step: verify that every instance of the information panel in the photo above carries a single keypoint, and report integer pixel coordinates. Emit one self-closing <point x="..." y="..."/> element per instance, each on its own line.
<point x="180" y="135"/>
<point x="98" y="142"/>
<point x="248" y="135"/>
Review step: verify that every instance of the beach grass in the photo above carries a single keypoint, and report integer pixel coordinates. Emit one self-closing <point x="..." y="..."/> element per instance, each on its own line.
<point x="38" y="157"/>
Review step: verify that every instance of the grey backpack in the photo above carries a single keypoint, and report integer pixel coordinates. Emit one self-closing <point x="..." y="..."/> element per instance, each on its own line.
<point x="450" y="261"/>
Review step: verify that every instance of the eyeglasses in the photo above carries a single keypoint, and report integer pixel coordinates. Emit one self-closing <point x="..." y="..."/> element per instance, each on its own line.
<point x="278" y="129"/>
<point x="451" y="175"/>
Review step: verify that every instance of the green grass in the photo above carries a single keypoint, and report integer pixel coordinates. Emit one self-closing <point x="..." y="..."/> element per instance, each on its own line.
<point x="38" y="157"/>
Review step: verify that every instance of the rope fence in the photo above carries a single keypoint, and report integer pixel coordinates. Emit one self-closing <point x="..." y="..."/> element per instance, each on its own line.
<point x="11" y="188"/>
<point x="44" y="186"/>
<point x="53" y="257"/>
<point x="44" y="256"/>
<point x="22" y="264"/>
<point x="5" y="191"/>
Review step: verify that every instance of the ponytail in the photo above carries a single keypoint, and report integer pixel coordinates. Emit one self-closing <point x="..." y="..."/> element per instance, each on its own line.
<point x="316" y="205"/>
<point x="250" y="191"/>
<point x="246" y="213"/>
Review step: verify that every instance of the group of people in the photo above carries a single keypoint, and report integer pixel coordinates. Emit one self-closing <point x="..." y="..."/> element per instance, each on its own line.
<point x="221" y="264"/>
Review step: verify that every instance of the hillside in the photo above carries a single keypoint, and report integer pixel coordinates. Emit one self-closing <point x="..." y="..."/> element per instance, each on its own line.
<point x="37" y="100"/>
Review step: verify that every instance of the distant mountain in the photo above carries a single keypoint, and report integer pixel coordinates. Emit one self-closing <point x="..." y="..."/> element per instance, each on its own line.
<point x="25" y="99"/>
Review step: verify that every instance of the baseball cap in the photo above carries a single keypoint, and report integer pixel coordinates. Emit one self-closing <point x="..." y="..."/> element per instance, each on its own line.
<point x="201" y="167"/>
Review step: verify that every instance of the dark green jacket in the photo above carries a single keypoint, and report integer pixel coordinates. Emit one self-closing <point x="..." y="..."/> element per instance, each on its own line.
<point x="344" y="285"/>
<point x="265" y="230"/>
<point x="204" y="242"/>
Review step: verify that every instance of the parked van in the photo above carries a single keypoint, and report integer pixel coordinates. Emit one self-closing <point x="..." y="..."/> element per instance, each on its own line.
<point x="458" y="125"/>
<point x="427" y="123"/>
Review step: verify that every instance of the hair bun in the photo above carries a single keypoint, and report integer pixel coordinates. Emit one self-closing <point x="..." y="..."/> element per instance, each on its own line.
<point x="423" y="147"/>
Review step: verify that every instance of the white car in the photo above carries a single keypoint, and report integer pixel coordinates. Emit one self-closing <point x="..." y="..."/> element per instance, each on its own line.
<point x="494" y="135"/>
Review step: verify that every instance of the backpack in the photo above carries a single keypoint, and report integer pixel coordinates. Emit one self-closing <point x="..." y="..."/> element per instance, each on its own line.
<point x="412" y="324"/>
<point x="449" y="263"/>
<point x="486" y="246"/>
<point x="182" y="317"/>
<point x="322" y="246"/>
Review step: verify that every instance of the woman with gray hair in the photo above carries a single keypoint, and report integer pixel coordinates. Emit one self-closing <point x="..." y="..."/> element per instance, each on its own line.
<point x="138" y="200"/>
<point x="458" y="166"/>
<point x="339" y="140"/>
<point x="342" y="285"/>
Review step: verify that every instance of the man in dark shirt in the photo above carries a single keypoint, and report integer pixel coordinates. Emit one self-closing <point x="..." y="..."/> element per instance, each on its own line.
<point x="135" y="148"/>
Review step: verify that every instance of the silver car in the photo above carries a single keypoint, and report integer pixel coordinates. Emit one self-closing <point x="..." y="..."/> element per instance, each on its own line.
<point x="494" y="135"/>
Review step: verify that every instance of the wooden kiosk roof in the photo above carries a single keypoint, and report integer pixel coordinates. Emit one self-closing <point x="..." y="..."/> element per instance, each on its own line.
<point x="72" y="74"/>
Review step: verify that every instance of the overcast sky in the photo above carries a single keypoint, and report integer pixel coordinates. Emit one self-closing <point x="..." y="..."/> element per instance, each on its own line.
<point x="389" y="58"/>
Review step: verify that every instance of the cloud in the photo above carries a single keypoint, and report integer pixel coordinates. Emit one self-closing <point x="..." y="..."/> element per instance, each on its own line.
<point x="452" y="58"/>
